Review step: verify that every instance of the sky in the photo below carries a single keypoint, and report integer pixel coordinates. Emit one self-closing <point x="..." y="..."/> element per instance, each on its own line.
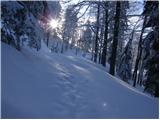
<point x="138" y="6"/>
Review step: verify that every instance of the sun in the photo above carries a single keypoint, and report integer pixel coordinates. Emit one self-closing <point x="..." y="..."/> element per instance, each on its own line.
<point x="53" y="23"/>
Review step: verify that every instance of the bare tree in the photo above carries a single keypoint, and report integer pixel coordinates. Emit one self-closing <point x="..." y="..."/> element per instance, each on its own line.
<point x="115" y="39"/>
<point x="97" y="31"/>
<point x="104" y="51"/>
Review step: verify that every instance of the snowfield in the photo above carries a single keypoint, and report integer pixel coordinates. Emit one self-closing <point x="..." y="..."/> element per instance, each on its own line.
<point x="50" y="85"/>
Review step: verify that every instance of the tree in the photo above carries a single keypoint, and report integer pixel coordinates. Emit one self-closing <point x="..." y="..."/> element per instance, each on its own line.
<point x="134" y="77"/>
<point x="152" y="48"/>
<point x="97" y="31"/>
<point x="125" y="66"/>
<point x="13" y="19"/>
<point x="70" y="25"/>
<point x="104" y="50"/>
<point x="52" y="10"/>
<point x="123" y="27"/>
<point x="21" y="19"/>
<point x="115" y="38"/>
<point x="86" y="39"/>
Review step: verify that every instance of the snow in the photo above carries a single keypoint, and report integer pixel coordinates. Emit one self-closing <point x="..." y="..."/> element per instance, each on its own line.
<point x="44" y="49"/>
<point x="31" y="21"/>
<point x="49" y="85"/>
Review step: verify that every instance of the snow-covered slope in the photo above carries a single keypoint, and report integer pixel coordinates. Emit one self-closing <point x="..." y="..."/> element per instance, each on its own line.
<point x="49" y="85"/>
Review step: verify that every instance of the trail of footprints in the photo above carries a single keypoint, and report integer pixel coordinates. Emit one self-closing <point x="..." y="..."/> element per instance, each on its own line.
<point x="74" y="98"/>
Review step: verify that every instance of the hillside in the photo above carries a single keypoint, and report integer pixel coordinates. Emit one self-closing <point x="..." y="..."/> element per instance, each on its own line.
<point x="50" y="85"/>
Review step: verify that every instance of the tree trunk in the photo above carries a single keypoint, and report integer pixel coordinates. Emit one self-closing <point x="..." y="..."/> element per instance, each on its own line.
<point x="47" y="39"/>
<point x="140" y="74"/>
<point x="97" y="31"/>
<point x="100" y="45"/>
<point x="62" y="47"/>
<point x="104" y="51"/>
<point x="115" y="39"/>
<point x="99" y="57"/>
<point x="134" y="77"/>
<point x="92" y="56"/>
<point x="18" y="46"/>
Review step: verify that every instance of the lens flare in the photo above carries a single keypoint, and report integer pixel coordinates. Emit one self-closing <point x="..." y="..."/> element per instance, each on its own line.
<point x="53" y="23"/>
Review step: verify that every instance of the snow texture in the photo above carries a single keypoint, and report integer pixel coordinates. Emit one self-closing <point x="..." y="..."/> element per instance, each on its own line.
<point x="49" y="85"/>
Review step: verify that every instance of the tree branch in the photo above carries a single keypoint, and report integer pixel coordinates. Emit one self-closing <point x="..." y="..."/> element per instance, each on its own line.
<point x="84" y="12"/>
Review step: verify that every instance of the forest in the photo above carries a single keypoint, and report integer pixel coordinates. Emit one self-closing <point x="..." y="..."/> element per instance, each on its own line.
<point x="105" y="50"/>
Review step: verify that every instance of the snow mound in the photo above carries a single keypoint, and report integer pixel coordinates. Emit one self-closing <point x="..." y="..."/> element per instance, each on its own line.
<point x="44" y="49"/>
<point x="36" y="85"/>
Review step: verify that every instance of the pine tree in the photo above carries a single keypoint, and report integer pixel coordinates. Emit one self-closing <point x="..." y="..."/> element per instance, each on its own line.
<point x="20" y="18"/>
<point x="69" y="28"/>
<point x="125" y="65"/>
<point x="152" y="48"/>
<point x="34" y="11"/>
<point x="13" y="19"/>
